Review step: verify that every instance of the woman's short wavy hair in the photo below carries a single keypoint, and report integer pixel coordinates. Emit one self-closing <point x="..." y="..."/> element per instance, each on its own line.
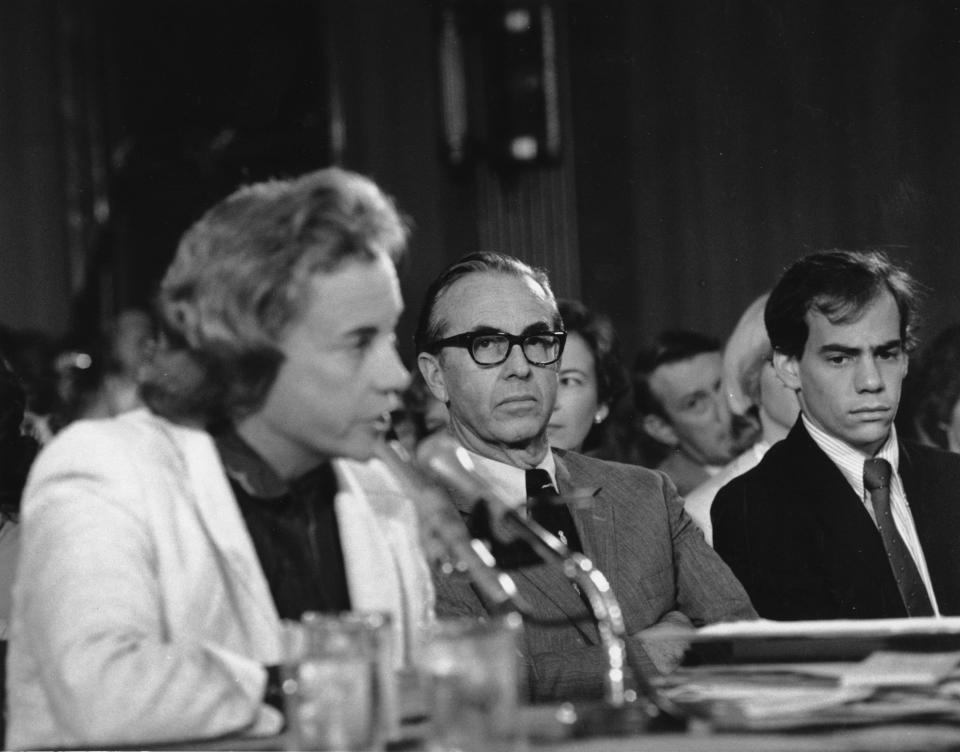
<point x="241" y="277"/>
<point x="839" y="285"/>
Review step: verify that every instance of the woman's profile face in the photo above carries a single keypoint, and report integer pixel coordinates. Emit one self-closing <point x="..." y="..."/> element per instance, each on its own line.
<point x="577" y="407"/>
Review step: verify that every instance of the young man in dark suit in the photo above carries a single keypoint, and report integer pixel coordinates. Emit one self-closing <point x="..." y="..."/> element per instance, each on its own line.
<point x="489" y="341"/>
<point x="841" y="519"/>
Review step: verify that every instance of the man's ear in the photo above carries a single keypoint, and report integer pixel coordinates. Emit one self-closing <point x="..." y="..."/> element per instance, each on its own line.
<point x="432" y="373"/>
<point x="659" y="430"/>
<point x="788" y="369"/>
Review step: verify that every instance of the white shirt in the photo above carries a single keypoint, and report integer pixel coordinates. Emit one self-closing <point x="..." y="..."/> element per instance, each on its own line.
<point x="698" y="502"/>
<point x="510" y="480"/>
<point x="850" y="462"/>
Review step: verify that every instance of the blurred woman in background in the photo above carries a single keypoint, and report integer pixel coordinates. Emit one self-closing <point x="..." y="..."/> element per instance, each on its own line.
<point x="592" y="381"/>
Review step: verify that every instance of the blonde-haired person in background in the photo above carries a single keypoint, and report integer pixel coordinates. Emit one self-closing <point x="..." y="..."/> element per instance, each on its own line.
<point x="751" y="386"/>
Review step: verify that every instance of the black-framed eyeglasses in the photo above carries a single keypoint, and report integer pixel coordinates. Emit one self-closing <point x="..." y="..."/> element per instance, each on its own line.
<point x="493" y="348"/>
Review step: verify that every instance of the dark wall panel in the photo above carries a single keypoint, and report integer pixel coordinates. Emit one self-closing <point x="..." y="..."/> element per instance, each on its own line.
<point x="34" y="283"/>
<point x="705" y="144"/>
<point x="721" y="140"/>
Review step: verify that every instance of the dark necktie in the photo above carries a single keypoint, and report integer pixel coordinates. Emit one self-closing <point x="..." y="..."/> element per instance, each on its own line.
<point x="553" y="516"/>
<point x="876" y="479"/>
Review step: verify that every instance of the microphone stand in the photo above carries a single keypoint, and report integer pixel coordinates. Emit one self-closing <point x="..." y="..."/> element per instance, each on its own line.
<point x="453" y="466"/>
<point x="440" y="520"/>
<point x="617" y="714"/>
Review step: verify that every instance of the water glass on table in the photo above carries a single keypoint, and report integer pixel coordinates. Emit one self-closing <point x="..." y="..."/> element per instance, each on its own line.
<point x="471" y="676"/>
<point x="338" y="682"/>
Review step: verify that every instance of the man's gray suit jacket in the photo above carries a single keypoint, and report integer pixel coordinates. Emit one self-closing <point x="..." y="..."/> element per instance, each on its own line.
<point x="657" y="562"/>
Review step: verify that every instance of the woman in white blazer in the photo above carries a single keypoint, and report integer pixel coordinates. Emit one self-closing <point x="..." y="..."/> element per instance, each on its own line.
<point x="141" y="612"/>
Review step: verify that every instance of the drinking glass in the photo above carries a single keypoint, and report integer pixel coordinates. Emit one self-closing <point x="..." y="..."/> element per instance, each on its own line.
<point x="332" y="683"/>
<point x="471" y="673"/>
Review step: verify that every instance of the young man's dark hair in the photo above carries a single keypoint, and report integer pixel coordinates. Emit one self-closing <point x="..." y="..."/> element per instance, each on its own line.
<point x="838" y="284"/>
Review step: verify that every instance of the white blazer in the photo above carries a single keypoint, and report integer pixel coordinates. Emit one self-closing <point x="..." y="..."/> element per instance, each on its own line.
<point x="140" y="610"/>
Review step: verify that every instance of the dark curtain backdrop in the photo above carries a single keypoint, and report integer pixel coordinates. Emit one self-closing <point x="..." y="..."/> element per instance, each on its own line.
<point x="34" y="281"/>
<point x="705" y="143"/>
<point x="717" y="141"/>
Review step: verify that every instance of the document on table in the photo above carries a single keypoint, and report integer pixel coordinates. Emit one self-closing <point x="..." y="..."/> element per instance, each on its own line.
<point x="763" y="640"/>
<point x="830" y="628"/>
<point x="899" y="669"/>
<point x="884" y="688"/>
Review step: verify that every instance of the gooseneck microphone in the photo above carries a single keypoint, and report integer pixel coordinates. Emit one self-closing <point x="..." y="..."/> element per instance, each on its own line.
<point x="445" y="536"/>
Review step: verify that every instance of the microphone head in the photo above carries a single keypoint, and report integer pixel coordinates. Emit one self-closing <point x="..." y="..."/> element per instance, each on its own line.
<point x="444" y="535"/>
<point x="442" y="452"/>
<point x="437" y="518"/>
<point x="446" y="460"/>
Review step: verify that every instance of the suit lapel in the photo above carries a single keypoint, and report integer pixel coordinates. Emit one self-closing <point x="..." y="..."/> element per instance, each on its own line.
<point x="849" y="547"/>
<point x="925" y="503"/>
<point x="826" y="491"/>
<point x="931" y="494"/>
<point x="593" y="521"/>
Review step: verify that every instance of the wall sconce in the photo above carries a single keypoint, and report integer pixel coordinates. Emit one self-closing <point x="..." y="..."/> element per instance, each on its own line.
<point x="452" y="58"/>
<point x="499" y="82"/>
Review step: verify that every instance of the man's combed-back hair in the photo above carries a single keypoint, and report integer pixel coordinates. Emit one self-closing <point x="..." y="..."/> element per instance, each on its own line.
<point x="430" y="328"/>
<point x="241" y="277"/>
<point x="840" y="285"/>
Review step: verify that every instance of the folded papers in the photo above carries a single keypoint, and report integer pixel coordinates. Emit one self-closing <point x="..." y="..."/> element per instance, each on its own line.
<point x="803" y="679"/>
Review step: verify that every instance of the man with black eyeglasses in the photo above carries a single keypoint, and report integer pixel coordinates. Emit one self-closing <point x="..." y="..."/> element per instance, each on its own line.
<point x="489" y="340"/>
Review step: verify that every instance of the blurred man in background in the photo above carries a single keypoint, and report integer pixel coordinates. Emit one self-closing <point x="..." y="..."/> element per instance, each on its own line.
<point x="752" y="386"/>
<point x="681" y="406"/>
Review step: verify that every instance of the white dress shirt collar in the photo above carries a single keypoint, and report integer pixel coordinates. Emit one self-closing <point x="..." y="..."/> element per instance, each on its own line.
<point x="510" y="480"/>
<point x="850" y="460"/>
